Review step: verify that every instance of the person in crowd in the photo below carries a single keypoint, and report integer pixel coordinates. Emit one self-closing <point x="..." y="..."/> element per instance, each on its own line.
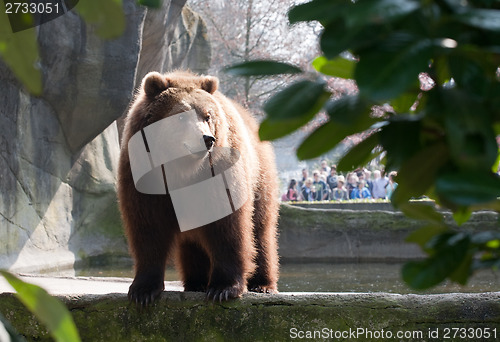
<point x="339" y="193"/>
<point x="324" y="167"/>
<point x="368" y="180"/>
<point x="331" y="180"/>
<point x="361" y="175"/>
<point x="379" y="184"/>
<point x="352" y="181"/>
<point x="391" y="185"/>
<point x="361" y="191"/>
<point x="291" y="194"/>
<point x="305" y="175"/>
<point x="308" y="193"/>
<point x="327" y="191"/>
<point x="319" y="186"/>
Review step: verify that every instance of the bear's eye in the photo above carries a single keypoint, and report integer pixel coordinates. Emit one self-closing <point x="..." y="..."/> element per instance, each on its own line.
<point x="207" y="118"/>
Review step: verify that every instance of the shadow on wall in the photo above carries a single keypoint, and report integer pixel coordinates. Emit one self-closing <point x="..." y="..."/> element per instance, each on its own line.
<point x="59" y="153"/>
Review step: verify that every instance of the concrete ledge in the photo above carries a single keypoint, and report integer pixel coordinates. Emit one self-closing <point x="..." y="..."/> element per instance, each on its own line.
<point x="185" y="316"/>
<point x="311" y="234"/>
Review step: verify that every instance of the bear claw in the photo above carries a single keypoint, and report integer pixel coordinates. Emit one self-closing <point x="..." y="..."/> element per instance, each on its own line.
<point x="224" y="294"/>
<point x="263" y="289"/>
<point x="144" y="294"/>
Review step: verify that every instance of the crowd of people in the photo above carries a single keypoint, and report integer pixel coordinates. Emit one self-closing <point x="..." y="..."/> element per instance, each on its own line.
<point x="325" y="184"/>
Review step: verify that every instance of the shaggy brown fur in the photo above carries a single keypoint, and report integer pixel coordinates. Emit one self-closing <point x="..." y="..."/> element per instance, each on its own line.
<point x="224" y="258"/>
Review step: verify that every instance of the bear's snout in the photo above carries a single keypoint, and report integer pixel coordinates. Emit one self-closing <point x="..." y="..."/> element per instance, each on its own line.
<point x="209" y="141"/>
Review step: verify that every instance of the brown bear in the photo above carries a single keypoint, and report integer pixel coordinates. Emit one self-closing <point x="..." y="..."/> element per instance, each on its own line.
<point x="223" y="258"/>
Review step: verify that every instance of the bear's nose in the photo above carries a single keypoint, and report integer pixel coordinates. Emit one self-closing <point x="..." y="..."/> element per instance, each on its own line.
<point x="209" y="141"/>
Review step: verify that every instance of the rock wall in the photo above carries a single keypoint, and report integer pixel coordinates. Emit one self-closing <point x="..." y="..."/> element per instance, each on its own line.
<point x="186" y="316"/>
<point x="59" y="152"/>
<point x="174" y="37"/>
<point x="312" y="234"/>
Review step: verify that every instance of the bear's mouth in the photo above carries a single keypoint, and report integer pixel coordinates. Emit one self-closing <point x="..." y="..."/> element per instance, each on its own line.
<point x="197" y="153"/>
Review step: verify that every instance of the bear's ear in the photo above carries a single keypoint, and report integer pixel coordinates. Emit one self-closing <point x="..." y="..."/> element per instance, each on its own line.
<point x="209" y="84"/>
<point x="154" y="83"/>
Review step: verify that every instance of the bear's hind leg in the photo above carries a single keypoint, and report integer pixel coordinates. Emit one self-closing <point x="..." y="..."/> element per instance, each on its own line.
<point x="230" y="243"/>
<point x="265" y="219"/>
<point x="194" y="266"/>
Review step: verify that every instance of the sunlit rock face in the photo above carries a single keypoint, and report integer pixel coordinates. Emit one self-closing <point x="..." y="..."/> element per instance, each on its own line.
<point x="59" y="152"/>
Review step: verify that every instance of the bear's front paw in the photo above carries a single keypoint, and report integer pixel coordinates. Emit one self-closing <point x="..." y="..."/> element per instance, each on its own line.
<point x="145" y="290"/>
<point x="263" y="289"/>
<point x="224" y="293"/>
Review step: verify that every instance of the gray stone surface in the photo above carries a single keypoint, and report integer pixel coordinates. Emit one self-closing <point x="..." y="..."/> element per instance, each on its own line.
<point x="174" y="37"/>
<point x="88" y="81"/>
<point x="356" y="235"/>
<point x="185" y="316"/>
<point x="59" y="152"/>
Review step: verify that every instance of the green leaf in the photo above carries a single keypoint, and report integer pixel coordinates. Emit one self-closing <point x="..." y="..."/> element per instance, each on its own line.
<point x="404" y="102"/>
<point x="292" y="108"/>
<point x="49" y="310"/>
<point x="150" y="3"/>
<point x="483" y="238"/>
<point x="352" y="111"/>
<point x="493" y="205"/>
<point x="262" y="68"/>
<point x="106" y="15"/>
<point x="379" y="11"/>
<point x="391" y="69"/>
<point x="470" y="136"/>
<point x="430" y="272"/>
<point x="20" y="52"/>
<point x="320" y="10"/>
<point x="496" y="164"/>
<point x="348" y="115"/>
<point x="336" y="38"/>
<point x="359" y="155"/>
<point x="271" y="130"/>
<point x="427" y="161"/>
<point x="423" y="235"/>
<point x="468" y="187"/>
<point x="401" y="139"/>
<point x="12" y="333"/>
<point x="299" y="100"/>
<point x="338" y="67"/>
<point x="462" y="215"/>
<point x="463" y="271"/>
<point x="486" y="19"/>
<point x="493" y="244"/>
<point x="421" y="211"/>
<point x="322" y="140"/>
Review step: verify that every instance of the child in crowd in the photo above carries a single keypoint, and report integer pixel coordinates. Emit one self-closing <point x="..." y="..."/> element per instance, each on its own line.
<point x="340" y="192"/>
<point x="308" y="192"/>
<point x="291" y="194"/>
<point x="361" y="191"/>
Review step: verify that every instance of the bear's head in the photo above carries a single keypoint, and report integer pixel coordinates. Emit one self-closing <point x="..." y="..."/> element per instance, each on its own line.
<point x="178" y="92"/>
<point x="193" y="121"/>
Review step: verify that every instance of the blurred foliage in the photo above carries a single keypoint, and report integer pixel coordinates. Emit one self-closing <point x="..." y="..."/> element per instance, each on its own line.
<point x="150" y="3"/>
<point x="8" y="333"/>
<point x="105" y="15"/>
<point x="49" y="310"/>
<point x="435" y="62"/>
<point x="19" y="50"/>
